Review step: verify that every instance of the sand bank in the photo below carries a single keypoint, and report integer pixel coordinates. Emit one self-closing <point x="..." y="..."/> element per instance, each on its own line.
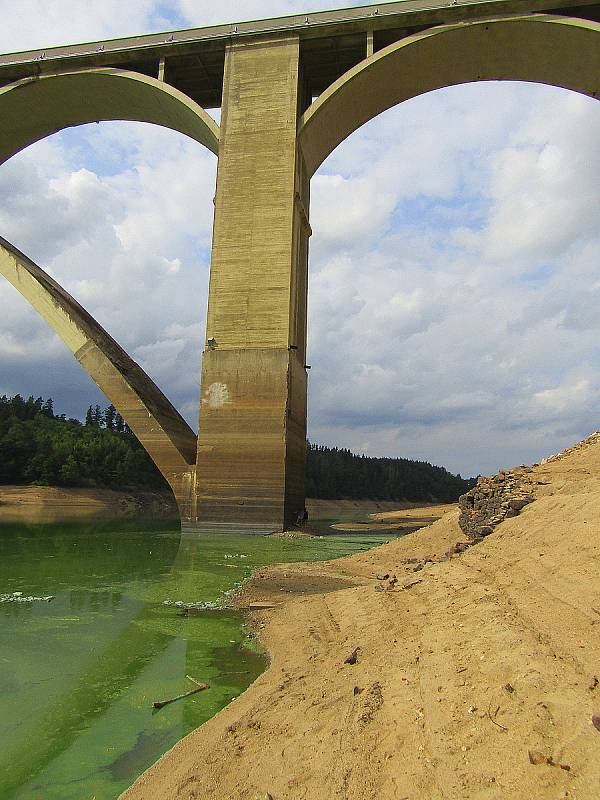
<point x="485" y="663"/>
<point x="38" y="504"/>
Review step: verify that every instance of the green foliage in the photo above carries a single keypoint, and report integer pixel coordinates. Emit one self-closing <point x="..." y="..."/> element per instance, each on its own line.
<point x="334" y="474"/>
<point x="36" y="446"/>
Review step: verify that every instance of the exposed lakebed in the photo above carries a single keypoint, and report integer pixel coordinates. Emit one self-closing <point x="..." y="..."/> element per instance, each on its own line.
<point x="79" y="672"/>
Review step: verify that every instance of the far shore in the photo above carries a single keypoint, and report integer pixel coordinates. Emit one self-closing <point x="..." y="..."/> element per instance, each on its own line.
<point x="38" y="504"/>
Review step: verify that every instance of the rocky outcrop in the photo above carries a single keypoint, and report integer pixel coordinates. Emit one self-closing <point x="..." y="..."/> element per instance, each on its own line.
<point x="493" y="500"/>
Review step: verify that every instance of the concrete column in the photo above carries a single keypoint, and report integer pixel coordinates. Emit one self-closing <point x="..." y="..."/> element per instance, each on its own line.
<point x="251" y="444"/>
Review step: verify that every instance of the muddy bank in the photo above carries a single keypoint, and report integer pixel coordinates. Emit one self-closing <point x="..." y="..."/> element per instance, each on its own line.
<point x="404" y="518"/>
<point x="52" y="504"/>
<point x="474" y="675"/>
<point x="329" y="509"/>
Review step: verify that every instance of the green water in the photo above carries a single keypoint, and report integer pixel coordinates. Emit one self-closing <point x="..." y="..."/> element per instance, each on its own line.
<point x="78" y="675"/>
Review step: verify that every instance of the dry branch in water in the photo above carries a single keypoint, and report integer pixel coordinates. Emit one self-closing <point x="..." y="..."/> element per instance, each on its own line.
<point x="200" y="687"/>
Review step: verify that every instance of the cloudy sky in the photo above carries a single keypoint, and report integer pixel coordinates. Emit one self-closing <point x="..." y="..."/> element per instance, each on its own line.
<point x="454" y="289"/>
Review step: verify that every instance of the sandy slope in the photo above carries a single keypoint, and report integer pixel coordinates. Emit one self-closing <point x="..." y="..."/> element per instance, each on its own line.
<point x="458" y="677"/>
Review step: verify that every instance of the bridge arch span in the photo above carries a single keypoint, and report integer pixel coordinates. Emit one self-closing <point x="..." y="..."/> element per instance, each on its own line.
<point x="161" y="430"/>
<point x="538" y="48"/>
<point x="33" y="108"/>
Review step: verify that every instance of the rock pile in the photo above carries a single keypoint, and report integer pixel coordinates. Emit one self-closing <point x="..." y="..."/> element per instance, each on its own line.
<point x="593" y="438"/>
<point x="493" y="500"/>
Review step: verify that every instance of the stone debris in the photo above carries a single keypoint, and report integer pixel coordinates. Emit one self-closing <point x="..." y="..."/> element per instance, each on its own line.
<point x="593" y="438"/>
<point x="492" y="500"/>
<point x="19" y="597"/>
<point x="417" y="564"/>
<point x="536" y="758"/>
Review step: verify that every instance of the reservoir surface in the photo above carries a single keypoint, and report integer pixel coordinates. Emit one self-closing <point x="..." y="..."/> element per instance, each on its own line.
<point x="79" y="673"/>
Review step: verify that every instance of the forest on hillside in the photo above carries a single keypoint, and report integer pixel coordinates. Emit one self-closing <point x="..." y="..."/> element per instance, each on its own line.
<point x="37" y="446"/>
<point x="335" y="474"/>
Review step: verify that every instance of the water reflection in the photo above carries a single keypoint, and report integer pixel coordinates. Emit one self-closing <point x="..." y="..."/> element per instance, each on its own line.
<point x="79" y="675"/>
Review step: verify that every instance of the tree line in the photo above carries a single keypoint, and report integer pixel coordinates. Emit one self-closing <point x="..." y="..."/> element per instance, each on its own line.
<point x="40" y="447"/>
<point x="335" y="474"/>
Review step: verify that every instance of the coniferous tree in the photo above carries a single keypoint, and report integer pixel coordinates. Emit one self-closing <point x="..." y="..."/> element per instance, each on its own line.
<point x="333" y="473"/>
<point x="36" y="446"/>
<point x="109" y="417"/>
<point x="53" y="450"/>
<point x="119" y="423"/>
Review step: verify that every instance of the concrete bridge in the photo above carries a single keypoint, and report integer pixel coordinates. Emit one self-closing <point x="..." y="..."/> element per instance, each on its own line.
<point x="290" y="90"/>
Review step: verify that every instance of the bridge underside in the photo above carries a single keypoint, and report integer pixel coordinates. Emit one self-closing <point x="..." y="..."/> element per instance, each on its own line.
<point x="245" y="473"/>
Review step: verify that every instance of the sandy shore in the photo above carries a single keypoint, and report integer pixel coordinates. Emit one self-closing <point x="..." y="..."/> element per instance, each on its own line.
<point x="410" y="517"/>
<point x="334" y="509"/>
<point x="52" y="504"/>
<point x="487" y="661"/>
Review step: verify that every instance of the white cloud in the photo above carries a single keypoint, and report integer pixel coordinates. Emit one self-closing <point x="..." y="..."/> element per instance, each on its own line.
<point x="569" y="397"/>
<point x="470" y="299"/>
<point x="204" y="12"/>
<point x="31" y="24"/>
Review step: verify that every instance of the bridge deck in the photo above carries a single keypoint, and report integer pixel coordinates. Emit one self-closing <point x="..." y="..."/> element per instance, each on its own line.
<point x="331" y="42"/>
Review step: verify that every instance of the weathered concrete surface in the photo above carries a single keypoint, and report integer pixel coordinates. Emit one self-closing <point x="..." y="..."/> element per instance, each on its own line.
<point x="166" y="436"/>
<point x="34" y="108"/>
<point x="250" y="468"/>
<point x="537" y="48"/>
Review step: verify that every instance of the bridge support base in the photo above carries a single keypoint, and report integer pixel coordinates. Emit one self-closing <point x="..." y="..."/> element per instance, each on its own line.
<point x="252" y="432"/>
<point x="252" y="441"/>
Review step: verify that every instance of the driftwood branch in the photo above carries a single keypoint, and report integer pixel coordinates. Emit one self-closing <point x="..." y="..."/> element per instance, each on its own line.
<point x="199" y="688"/>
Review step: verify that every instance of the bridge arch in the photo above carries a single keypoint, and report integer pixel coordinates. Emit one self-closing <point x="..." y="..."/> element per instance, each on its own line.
<point x="159" y="427"/>
<point x="33" y="108"/>
<point x="540" y="48"/>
